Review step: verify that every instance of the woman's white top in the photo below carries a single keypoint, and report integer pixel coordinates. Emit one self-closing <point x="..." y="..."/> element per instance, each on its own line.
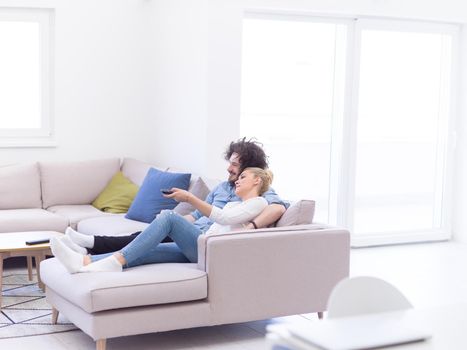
<point x="235" y="214"/>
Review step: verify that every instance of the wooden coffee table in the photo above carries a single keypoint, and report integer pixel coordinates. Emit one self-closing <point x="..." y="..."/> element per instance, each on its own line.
<point x="14" y="244"/>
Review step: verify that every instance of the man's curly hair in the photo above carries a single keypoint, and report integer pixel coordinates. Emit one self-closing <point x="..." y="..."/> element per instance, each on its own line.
<point x="250" y="153"/>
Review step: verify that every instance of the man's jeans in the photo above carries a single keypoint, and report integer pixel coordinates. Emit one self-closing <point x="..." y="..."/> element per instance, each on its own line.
<point x="146" y="248"/>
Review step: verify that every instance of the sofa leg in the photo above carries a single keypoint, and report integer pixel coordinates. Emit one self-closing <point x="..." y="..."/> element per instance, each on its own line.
<point x="54" y="315"/>
<point x="29" y="261"/>
<point x="320" y="315"/>
<point x="100" y="344"/>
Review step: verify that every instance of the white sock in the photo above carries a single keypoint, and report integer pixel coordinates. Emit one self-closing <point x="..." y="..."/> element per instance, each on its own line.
<point x="109" y="264"/>
<point x="86" y="241"/>
<point x="72" y="260"/>
<point x="73" y="246"/>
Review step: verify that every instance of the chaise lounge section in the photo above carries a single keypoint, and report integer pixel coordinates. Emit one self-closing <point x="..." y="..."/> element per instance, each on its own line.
<point x="240" y="277"/>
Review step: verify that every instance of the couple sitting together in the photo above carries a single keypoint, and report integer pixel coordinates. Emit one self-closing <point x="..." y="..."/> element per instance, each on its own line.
<point x="245" y="201"/>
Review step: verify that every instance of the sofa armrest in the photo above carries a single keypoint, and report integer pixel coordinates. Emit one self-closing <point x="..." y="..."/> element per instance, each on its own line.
<point x="203" y="239"/>
<point x="274" y="271"/>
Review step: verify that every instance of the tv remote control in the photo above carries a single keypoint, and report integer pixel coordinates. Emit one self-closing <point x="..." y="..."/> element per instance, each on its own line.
<point x="37" y="241"/>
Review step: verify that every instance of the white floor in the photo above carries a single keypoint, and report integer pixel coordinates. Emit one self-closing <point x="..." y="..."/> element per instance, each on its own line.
<point x="429" y="274"/>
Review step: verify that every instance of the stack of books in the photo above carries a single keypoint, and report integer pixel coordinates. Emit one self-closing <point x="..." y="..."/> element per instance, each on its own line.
<point x="349" y="333"/>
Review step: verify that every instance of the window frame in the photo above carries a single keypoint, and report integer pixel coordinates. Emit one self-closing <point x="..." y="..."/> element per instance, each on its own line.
<point x="43" y="136"/>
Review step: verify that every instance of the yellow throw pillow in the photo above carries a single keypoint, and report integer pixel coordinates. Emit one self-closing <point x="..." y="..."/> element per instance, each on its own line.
<point x="117" y="195"/>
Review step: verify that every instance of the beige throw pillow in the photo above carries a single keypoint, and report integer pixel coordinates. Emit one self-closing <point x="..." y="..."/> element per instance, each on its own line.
<point x="200" y="190"/>
<point x="299" y="213"/>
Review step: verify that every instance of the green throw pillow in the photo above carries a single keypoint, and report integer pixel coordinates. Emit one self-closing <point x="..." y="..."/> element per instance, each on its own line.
<point x="117" y="195"/>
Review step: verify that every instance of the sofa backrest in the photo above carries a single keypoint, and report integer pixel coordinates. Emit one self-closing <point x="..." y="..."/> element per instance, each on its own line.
<point x="20" y="186"/>
<point x="210" y="183"/>
<point x="136" y="170"/>
<point x="75" y="182"/>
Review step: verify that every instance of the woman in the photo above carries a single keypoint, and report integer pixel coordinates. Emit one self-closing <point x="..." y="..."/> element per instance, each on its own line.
<point x="249" y="187"/>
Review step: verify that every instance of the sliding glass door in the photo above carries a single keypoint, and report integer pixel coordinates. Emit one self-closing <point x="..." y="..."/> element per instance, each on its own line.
<point x="355" y="114"/>
<point x="404" y="77"/>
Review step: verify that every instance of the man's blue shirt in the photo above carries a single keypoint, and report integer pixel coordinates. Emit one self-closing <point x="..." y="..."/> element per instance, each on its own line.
<point x="224" y="193"/>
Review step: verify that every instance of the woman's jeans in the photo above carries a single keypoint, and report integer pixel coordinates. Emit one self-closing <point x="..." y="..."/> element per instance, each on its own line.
<point x="146" y="247"/>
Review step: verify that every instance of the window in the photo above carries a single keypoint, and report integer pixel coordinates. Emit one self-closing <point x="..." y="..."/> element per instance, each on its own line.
<point x="25" y="86"/>
<point x="354" y="114"/>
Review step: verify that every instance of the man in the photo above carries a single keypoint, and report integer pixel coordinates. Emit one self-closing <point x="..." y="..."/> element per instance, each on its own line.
<point x="240" y="155"/>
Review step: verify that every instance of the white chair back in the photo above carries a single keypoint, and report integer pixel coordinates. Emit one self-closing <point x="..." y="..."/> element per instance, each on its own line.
<point x="365" y="295"/>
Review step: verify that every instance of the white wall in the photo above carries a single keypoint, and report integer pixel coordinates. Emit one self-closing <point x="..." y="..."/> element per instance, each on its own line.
<point x="179" y="133"/>
<point x="103" y="70"/>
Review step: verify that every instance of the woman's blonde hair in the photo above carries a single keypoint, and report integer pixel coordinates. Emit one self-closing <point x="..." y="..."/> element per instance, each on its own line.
<point x="265" y="175"/>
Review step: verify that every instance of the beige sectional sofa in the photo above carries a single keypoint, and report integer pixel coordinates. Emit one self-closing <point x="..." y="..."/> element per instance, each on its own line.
<point x="239" y="277"/>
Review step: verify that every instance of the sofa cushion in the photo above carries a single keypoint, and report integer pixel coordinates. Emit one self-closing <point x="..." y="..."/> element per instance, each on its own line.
<point x="16" y="220"/>
<point x="75" y="182"/>
<point x="76" y="213"/>
<point x="117" y="196"/>
<point x="20" y="186"/>
<point x="110" y="225"/>
<point x="152" y="284"/>
<point x="149" y="201"/>
<point x="197" y="188"/>
<point x="136" y="170"/>
<point x="299" y="213"/>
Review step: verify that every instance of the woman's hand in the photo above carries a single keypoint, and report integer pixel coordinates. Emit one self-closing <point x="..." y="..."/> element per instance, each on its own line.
<point x="178" y="194"/>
